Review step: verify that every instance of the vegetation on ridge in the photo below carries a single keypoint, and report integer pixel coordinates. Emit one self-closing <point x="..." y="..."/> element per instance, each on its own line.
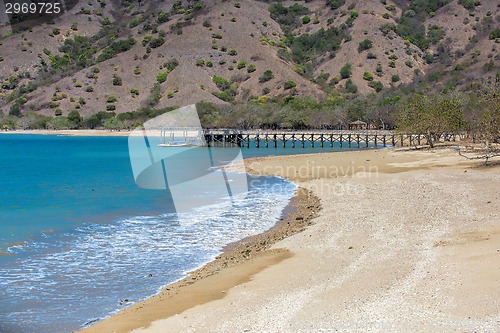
<point x="301" y="64"/>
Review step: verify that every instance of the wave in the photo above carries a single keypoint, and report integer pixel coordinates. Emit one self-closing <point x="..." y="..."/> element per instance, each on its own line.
<point x="64" y="280"/>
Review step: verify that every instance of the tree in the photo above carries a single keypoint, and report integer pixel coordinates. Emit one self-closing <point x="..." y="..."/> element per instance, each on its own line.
<point x="59" y="123"/>
<point x="113" y="124"/>
<point x="75" y="118"/>
<point x="431" y="116"/>
<point x="483" y="115"/>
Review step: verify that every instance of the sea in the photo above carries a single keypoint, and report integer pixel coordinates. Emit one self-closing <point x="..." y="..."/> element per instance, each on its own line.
<point x="80" y="240"/>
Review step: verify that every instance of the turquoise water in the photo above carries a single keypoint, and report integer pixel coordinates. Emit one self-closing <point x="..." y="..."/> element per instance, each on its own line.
<point x="79" y="240"/>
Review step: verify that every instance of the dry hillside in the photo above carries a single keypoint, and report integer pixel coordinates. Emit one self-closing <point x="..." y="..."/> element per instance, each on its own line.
<point x="218" y="51"/>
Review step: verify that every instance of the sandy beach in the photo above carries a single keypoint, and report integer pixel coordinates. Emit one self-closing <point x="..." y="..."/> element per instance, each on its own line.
<point x="391" y="241"/>
<point x="73" y="132"/>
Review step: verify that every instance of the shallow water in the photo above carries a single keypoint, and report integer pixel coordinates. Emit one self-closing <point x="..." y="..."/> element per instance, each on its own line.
<point x="80" y="240"/>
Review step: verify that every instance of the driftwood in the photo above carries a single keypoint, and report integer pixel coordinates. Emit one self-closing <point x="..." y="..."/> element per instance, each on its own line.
<point x="489" y="155"/>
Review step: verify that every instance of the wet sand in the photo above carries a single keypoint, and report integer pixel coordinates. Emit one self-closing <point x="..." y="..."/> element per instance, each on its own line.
<point x="405" y="241"/>
<point x="237" y="264"/>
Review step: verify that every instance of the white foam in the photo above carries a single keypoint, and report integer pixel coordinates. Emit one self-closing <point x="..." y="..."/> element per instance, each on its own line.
<point x="103" y="263"/>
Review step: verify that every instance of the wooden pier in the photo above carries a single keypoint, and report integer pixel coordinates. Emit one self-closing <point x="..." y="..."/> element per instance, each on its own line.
<point x="317" y="139"/>
<point x="310" y="138"/>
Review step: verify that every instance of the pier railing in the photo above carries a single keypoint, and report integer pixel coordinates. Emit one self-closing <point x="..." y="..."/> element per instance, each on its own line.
<point x="307" y="138"/>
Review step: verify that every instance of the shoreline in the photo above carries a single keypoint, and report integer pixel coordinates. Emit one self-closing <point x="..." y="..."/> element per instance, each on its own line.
<point x="76" y="132"/>
<point x="328" y="253"/>
<point x="237" y="263"/>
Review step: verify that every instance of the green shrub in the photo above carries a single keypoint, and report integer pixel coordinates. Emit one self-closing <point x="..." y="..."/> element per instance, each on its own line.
<point x="251" y="68"/>
<point x="53" y="104"/>
<point x="133" y="23"/>
<point x="162" y="77"/>
<point x="146" y="40"/>
<point x="371" y="55"/>
<point x="134" y="91"/>
<point x="377" y="85"/>
<point x="209" y="64"/>
<point x="288" y="17"/>
<point x="117" y="81"/>
<point x="232" y="52"/>
<point x="495" y="34"/>
<point x="393" y="56"/>
<point x="266" y="90"/>
<point x="170" y="65"/>
<point x="157" y="42"/>
<point x="115" y="48"/>
<point x="162" y="17"/>
<point x="111" y="99"/>
<point x="368" y="76"/>
<point x="365" y="45"/>
<point x="110" y="107"/>
<point x="334" y="4"/>
<point x="395" y="78"/>
<point x="289" y="84"/>
<point x="468" y="4"/>
<point x="58" y="112"/>
<point x="221" y="82"/>
<point x="435" y="33"/>
<point x="222" y="95"/>
<point x="241" y="64"/>
<point x="345" y="71"/>
<point x="155" y="96"/>
<point x="266" y="76"/>
<point x="351" y="87"/>
<point x="89" y="89"/>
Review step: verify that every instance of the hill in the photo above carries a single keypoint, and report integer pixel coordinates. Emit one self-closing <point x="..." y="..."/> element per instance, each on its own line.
<point x="112" y="57"/>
